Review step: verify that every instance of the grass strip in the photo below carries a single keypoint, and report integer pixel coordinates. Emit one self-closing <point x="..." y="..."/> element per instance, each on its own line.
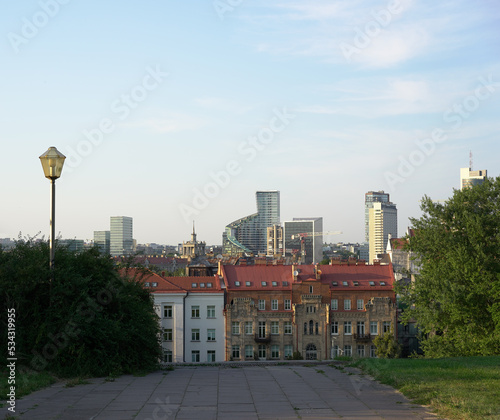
<point x="455" y="388"/>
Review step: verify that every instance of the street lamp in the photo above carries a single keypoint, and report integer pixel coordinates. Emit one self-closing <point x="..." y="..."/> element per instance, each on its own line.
<point x="52" y="163"/>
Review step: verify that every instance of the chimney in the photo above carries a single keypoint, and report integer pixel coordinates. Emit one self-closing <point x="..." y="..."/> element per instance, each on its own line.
<point x="317" y="271"/>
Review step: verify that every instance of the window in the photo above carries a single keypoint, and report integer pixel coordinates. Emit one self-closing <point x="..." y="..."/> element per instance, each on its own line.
<point x="248" y="327"/>
<point x="262" y="351"/>
<point x="287" y="326"/>
<point x="347" y="328"/>
<point x="194" y="285"/>
<point x="235" y="327"/>
<point x="335" y="351"/>
<point x="361" y="304"/>
<point x="355" y="283"/>
<point x="195" y="311"/>
<point x="167" y="356"/>
<point x="262" y="305"/>
<point x="264" y="283"/>
<point x="248" y="284"/>
<point x="361" y="350"/>
<point x="372" y="283"/>
<point x="209" y="284"/>
<point x="347" y="304"/>
<point x="167" y="334"/>
<point x="154" y="284"/>
<point x="146" y="284"/>
<point x="373" y="327"/>
<point x="382" y="283"/>
<point x="311" y="327"/>
<point x="316" y="328"/>
<point x="195" y="356"/>
<point x="235" y="352"/>
<point x="344" y="283"/>
<point x="348" y="351"/>
<point x="275" y="284"/>
<point x="288" y="351"/>
<point x="195" y="334"/>
<point x="311" y="289"/>
<point x="334" y="283"/>
<point x="210" y="356"/>
<point x="334" y="304"/>
<point x="387" y="326"/>
<point x="274" y="304"/>
<point x="275" y="327"/>
<point x="211" y="311"/>
<point x="335" y="327"/>
<point x="202" y="285"/>
<point x="311" y="309"/>
<point x="237" y="283"/>
<point x="275" y="351"/>
<point x="372" y="351"/>
<point x="167" y="311"/>
<point x="248" y="352"/>
<point x="305" y="328"/>
<point x="262" y="329"/>
<point x="211" y="335"/>
<point x="288" y="304"/>
<point x="360" y="328"/>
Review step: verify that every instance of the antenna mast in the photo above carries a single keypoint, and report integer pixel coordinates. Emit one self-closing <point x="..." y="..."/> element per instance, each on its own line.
<point x="470" y="160"/>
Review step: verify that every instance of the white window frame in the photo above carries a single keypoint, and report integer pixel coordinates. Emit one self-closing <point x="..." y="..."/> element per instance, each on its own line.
<point x="249" y="327"/>
<point x="373" y="327"/>
<point x="334" y="304"/>
<point x="274" y="304"/>
<point x="288" y="304"/>
<point x="287" y="327"/>
<point x="347" y="328"/>
<point x="275" y="327"/>
<point x="211" y="311"/>
<point x="211" y="334"/>
<point x="360" y="304"/>
<point x="262" y="305"/>
<point x="335" y="328"/>
<point x="170" y="309"/>
<point x="195" y="334"/>
<point x="195" y="311"/>
<point x="235" y="328"/>
<point x="347" y="304"/>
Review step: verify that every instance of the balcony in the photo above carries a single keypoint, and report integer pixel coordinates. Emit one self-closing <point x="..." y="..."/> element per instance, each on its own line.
<point x="264" y="339"/>
<point x="362" y="337"/>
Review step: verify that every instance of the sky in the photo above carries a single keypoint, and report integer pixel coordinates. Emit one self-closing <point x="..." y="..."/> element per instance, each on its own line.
<point x="171" y="111"/>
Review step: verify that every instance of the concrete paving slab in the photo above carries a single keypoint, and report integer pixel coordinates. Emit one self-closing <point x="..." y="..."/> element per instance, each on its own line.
<point x="249" y="392"/>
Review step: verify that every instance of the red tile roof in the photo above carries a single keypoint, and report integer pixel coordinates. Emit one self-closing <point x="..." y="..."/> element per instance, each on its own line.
<point x="172" y="284"/>
<point x="362" y="274"/>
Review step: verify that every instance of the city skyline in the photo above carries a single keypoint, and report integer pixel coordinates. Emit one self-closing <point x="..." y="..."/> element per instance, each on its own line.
<point x="170" y="113"/>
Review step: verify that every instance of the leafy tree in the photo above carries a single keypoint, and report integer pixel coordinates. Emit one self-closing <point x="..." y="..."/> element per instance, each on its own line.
<point x="86" y="320"/>
<point x="387" y="347"/>
<point x="456" y="296"/>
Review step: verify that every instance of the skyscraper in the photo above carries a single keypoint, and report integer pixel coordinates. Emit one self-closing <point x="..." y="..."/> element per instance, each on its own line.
<point x="313" y="244"/>
<point x="249" y="234"/>
<point x="370" y="198"/>
<point x="121" y="241"/>
<point x="469" y="178"/>
<point x="382" y="221"/>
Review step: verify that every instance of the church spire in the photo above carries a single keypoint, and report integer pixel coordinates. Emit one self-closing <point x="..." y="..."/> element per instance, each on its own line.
<point x="193" y="235"/>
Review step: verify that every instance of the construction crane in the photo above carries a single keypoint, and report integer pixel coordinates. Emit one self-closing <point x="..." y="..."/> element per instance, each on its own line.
<point x="303" y="236"/>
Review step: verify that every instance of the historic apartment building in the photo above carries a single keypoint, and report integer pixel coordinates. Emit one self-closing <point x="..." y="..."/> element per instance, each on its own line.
<point x="320" y="311"/>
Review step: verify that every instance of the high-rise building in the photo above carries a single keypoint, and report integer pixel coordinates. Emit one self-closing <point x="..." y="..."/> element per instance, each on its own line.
<point x="469" y="178"/>
<point x="102" y="239"/>
<point x="370" y="198"/>
<point x="121" y="241"/>
<point x="275" y="241"/>
<point x="249" y="234"/>
<point x="382" y="222"/>
<point x="313" y="244"/>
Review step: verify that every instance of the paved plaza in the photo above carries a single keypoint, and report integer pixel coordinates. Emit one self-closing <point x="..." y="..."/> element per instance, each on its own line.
<point x="225" y="392"/>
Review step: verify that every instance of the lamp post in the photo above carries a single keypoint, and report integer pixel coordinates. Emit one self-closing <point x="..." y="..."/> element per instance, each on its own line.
<point x="52" y="163"/>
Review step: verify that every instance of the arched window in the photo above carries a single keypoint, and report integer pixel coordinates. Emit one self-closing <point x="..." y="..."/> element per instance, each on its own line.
<point x="317" y="328"/>
<point x="311" y="352"/>
<point x="305" y="328"/>
<point x="311" y="327"/>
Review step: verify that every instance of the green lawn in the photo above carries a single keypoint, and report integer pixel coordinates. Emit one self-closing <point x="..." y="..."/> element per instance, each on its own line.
<point x="27" y="381"/>
<point x="455" y="388"/>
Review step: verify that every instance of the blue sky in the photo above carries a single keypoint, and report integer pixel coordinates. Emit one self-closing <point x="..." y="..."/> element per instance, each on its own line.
<point x="173" y="111"/>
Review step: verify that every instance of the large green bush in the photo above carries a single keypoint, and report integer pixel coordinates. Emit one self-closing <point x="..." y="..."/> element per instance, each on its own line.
<point x="83" y="319"/>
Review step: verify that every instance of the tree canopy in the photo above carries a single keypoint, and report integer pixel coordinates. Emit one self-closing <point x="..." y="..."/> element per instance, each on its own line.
<point x="83" y="320"/>
<point x="455" y="298"/>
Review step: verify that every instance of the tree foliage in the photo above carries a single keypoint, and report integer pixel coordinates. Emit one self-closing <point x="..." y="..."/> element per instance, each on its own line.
<point x="83" y="320"/>
<point x="387" y="347"/>
<point x="456" y="296"/>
